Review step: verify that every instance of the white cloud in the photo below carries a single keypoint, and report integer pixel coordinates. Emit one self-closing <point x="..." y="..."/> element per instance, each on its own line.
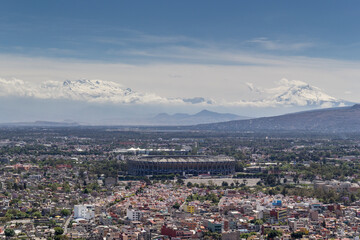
<point x="288" y="93"/>
<point x="132" y="36"/>
<point x="282" y="46"/>
<point x="15" y="87"/>
<point x="284" y="85"/>
<point x="209" y="73"/>
<point x="92" y="91"/>
<point x="252" y="88"/>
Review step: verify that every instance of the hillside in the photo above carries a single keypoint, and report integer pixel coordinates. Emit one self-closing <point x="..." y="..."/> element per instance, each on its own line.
<point x="344" y="119"/>
<point x="204" y="116"/>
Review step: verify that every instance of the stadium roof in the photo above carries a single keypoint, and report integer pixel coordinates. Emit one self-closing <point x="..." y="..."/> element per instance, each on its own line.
<point x="187" y="159"/>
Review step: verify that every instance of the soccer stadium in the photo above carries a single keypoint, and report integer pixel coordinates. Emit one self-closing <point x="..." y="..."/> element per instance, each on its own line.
<point x="159" y="165"/>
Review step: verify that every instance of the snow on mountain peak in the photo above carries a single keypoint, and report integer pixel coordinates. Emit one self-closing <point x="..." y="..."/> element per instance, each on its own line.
<point x="302" y="94"/>
<point x="105" y="91"/>
<point x="288" y="93"/>
<point x="88" y="90"/>
<point x="292" y="93"/>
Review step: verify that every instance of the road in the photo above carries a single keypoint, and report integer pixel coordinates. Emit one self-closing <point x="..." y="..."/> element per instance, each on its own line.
<point x="65" y="226"/>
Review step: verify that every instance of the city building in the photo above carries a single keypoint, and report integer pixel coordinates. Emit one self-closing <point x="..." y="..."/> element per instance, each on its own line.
<point x="84" y="211"/>
<point x="134" y="215"/>
<point x="159" y="165"/>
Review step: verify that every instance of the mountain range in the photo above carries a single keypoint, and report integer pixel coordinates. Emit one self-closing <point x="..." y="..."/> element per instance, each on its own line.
<point x="332" y="120"/>
<point x="288" y="93"/>
<point x="162" y="119"/>
<point x="98" y="102"/>
<point x="42" y="124"/>
<point x="204" y="116"/>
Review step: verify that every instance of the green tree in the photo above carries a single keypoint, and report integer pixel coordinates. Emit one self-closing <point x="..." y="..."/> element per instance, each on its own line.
<point x="224" y="184"/>
<point x="297" y="235"/>
<point x="180" y="181"/>
<point x="52" y="223"/>
<point x="247" y="235"/>
<point x="176" y="205"/>
<point x="352" y="198"/>
<point x="258" y="222"/>
<point x="9" y="232"/>
<point x="65" y="212"/>
<point x="58" y="231"/>
<point x="36" y="214"/>
<point x="273" y="234"/>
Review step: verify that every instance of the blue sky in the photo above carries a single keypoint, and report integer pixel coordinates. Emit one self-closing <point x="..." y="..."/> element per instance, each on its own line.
<point x="124" y="30"/>
<point x="210" y="49"/>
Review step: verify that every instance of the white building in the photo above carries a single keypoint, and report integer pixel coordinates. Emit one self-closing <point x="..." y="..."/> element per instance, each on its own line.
<point x="84" y="211"/>
<point x="134" y="215"/>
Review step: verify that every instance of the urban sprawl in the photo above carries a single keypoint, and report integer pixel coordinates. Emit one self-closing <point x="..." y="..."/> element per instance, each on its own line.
<point x="113" y="183"/>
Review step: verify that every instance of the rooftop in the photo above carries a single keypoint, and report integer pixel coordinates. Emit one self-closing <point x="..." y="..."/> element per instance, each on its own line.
<point x="181" y="158"/>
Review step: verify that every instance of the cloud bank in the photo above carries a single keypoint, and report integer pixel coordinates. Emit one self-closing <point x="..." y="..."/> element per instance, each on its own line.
<point x="91" y="91"/>
<point x="287" y="93"/>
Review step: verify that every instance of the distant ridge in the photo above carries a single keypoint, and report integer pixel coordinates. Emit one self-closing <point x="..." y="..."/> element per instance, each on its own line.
<point x="341" y="119"/>
<point x="204" y="116"/>
<point x="42" y="124"/>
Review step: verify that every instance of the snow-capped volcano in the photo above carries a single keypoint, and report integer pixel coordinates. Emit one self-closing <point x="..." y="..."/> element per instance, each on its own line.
<point x="96" y="91"/>
<point x="89" y="91"/>
<point x="288" y="93"/>
<point x="302" y="94"/>
<point x="106" y="91"/>
<point x="296" y="93"/>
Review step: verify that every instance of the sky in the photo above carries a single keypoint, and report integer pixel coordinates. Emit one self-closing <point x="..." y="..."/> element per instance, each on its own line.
<point x="185" y="49"/>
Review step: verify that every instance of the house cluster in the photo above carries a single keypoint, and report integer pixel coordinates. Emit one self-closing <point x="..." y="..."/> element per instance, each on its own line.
<point x="165" y="211"/>
<point x="34" y="200"/>
<point x="46" y="186"/>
